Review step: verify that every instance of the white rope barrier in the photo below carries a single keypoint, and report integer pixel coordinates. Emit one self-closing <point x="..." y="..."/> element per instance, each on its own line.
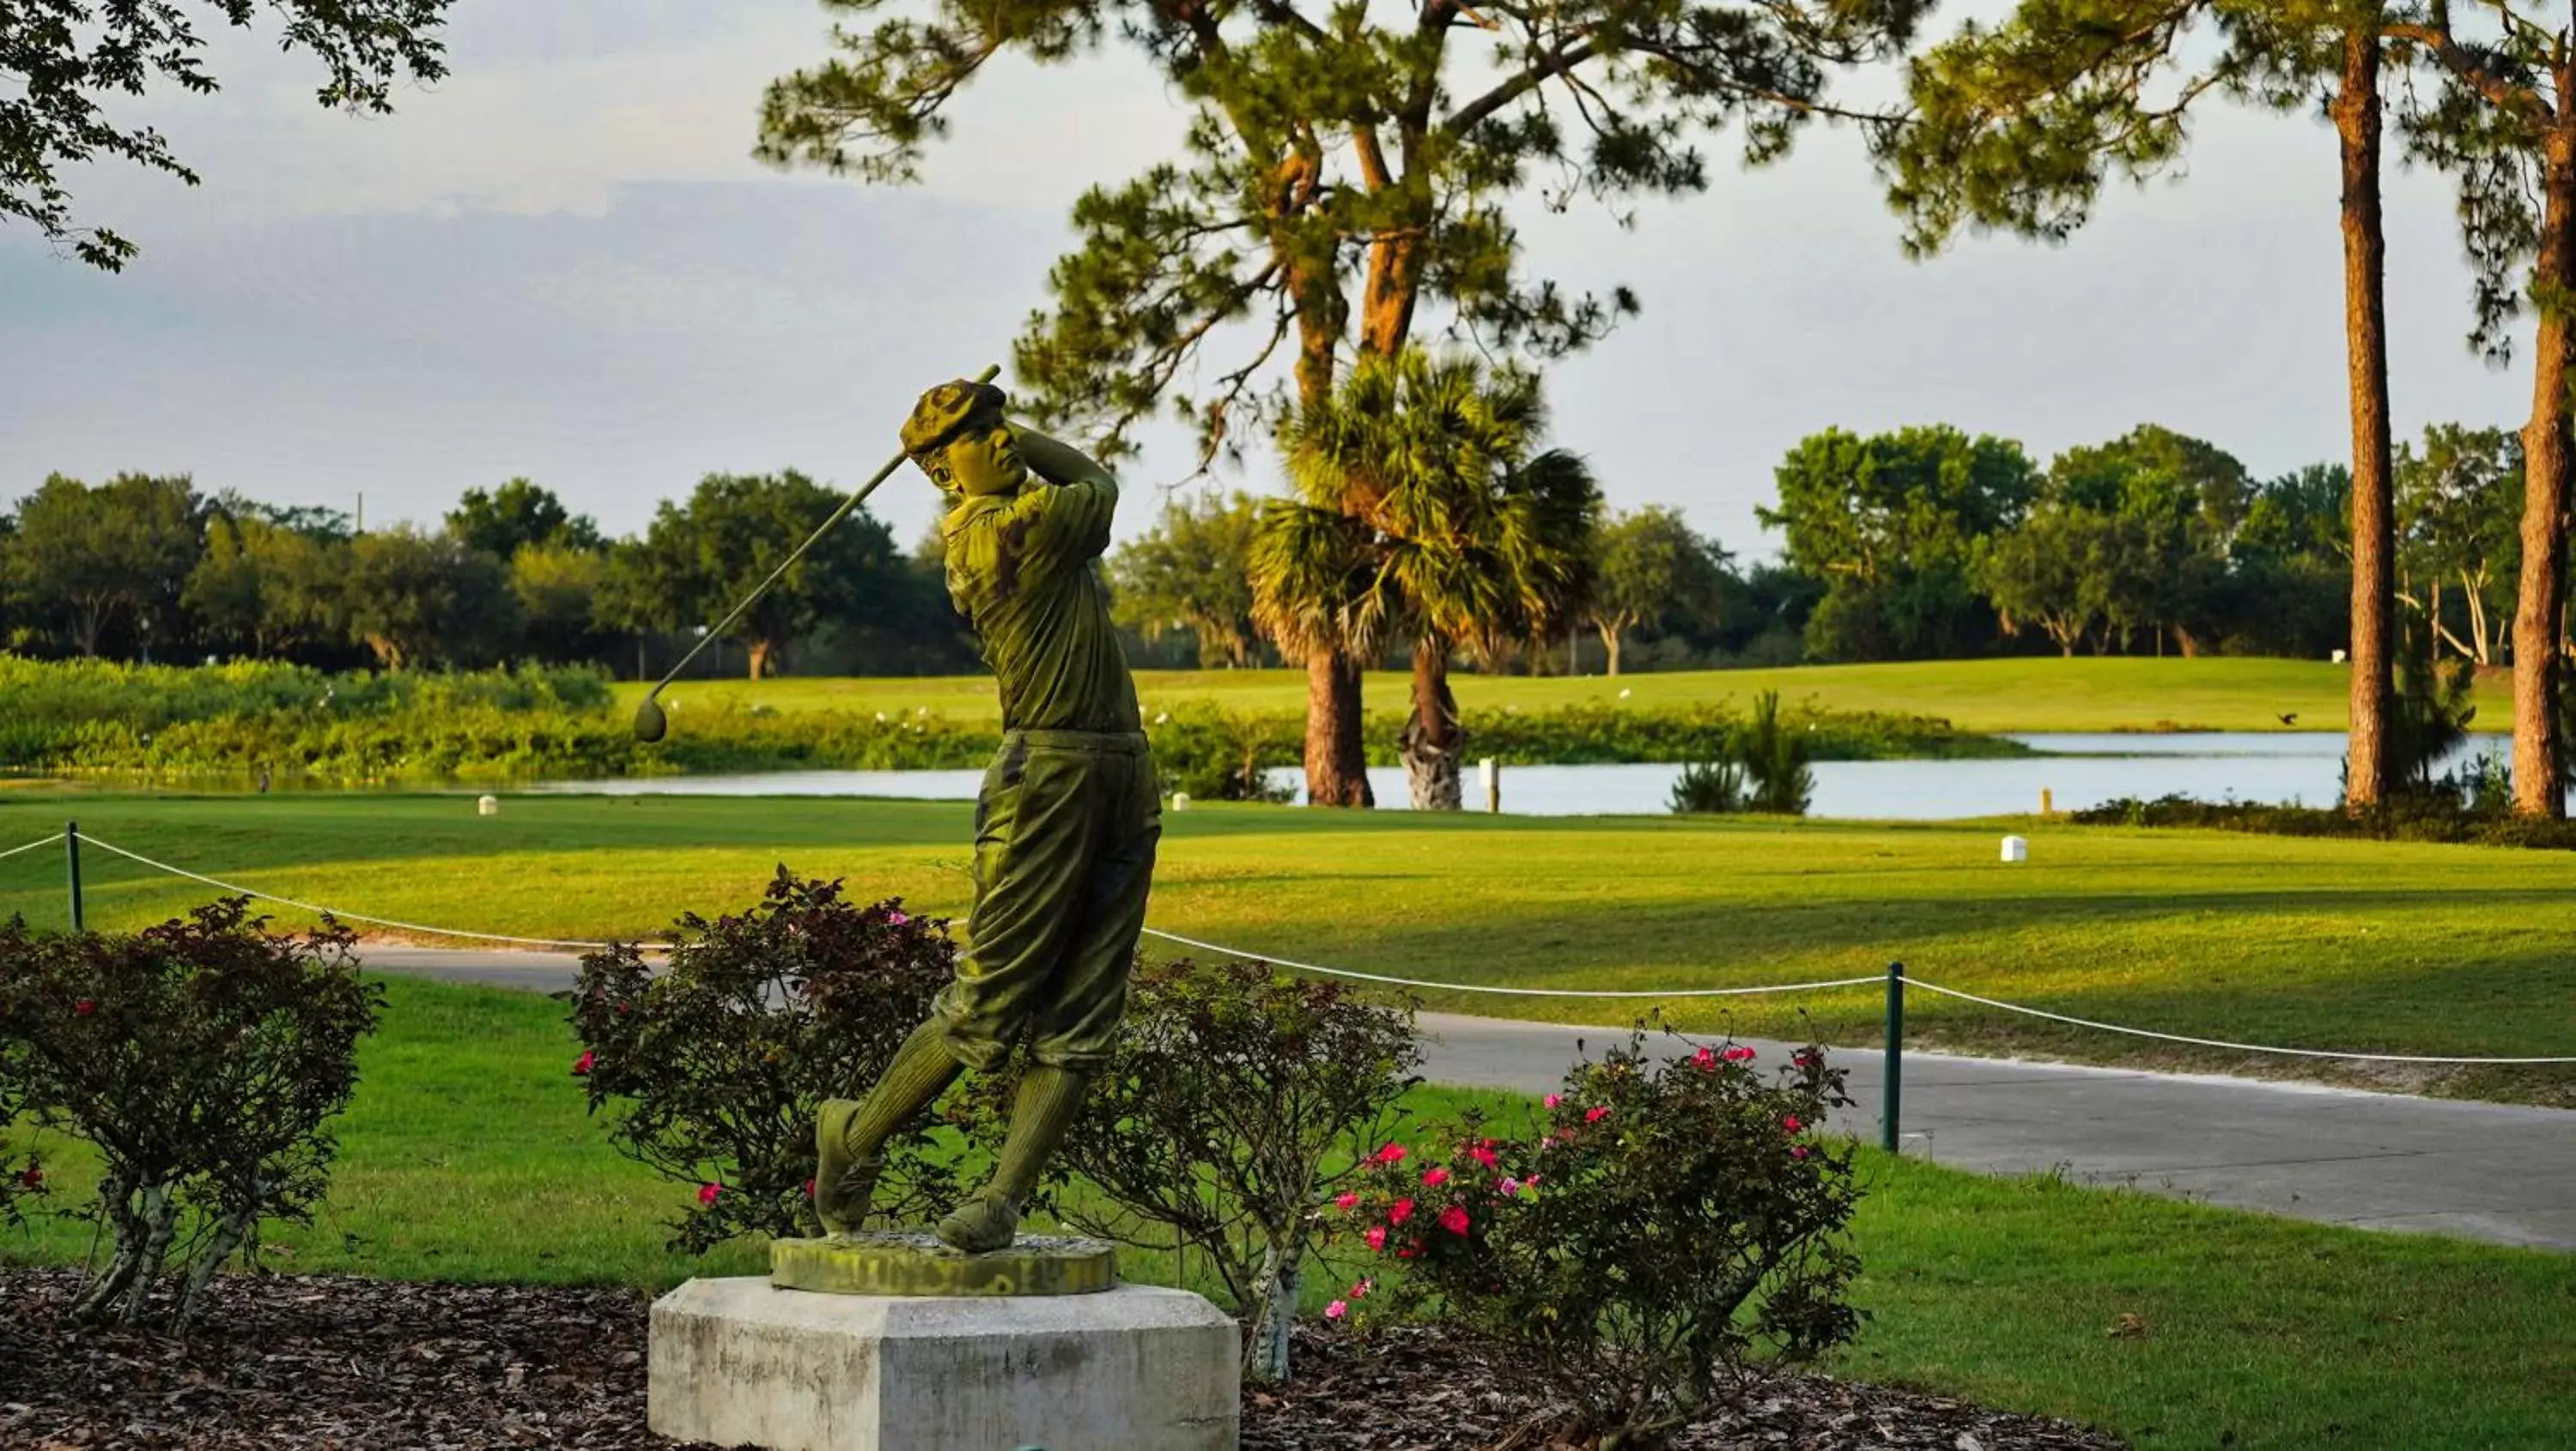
<point x="1383" y="980"/>
<point x="31" y="846"/>
<point x="2211" y="1042"/>
<point x="243" y="891"/>
<point x="1533" y="992"/>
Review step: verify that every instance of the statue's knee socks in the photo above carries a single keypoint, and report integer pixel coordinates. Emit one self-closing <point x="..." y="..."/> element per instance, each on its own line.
<point x="921" y="1071"/>
<point x="1049" y="1101"/>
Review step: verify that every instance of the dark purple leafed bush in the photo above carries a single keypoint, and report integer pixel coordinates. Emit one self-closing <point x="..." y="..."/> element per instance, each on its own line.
<point x="201" y="1058"/>
<point x="1662" y="1237"/>
<point x="712" y="1069"/>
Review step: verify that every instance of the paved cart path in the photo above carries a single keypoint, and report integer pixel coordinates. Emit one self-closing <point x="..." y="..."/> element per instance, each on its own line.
<point x="2496" y="1172"/>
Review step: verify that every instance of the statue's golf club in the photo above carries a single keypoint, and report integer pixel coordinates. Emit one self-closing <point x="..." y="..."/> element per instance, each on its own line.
<point x="650" y="723"/>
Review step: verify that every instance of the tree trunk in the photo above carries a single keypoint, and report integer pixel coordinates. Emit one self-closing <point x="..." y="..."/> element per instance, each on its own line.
<point x="1432" y="736"/>
<point x="1336" y="764"/>
<point x="1282" y="1276"/>
<point x="1610" y="642"/>
<point x="759" y="651"/>
<point x="2536" y="747"/>
<point x="2365" y="309"/>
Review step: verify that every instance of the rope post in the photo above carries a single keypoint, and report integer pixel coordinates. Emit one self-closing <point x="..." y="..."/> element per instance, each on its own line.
<point x="1891" y="1105"/>
<point x="71" y="859"/>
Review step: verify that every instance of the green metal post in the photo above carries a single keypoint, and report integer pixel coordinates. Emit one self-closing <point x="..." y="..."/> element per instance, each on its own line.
<point x="1891" y="1105"/>
<point x="71" y="855"/>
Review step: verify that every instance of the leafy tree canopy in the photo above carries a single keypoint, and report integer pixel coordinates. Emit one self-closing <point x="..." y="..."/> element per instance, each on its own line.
<point x="1192" y="572"/>
<point x="503" y="521"/>
<point x="700" y="558"/>
<point x="61" y="60"/>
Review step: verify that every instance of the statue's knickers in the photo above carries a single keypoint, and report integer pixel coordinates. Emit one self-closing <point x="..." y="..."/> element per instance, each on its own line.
<point x="1065" y="832"/>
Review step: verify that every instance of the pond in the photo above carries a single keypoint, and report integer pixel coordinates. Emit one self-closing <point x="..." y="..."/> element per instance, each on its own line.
<point x="2078" y="770"/>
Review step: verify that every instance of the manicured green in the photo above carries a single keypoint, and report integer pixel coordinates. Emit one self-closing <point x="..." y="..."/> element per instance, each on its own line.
<point x="467" y="1156"/>
<point x="2025" y="694"/>
<point x="2357" y="945"/>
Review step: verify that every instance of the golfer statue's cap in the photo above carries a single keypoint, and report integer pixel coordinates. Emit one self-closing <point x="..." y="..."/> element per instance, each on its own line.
<point x="945" y="411"/>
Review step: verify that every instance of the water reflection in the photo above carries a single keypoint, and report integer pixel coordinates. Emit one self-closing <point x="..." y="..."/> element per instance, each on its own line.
<point x="2081" y="771"/>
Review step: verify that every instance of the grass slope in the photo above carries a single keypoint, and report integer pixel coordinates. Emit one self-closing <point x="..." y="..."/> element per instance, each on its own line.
<point x="467" y="1156"/>
<point x="2364" y="946"/>
<point x="2026" y="694"/>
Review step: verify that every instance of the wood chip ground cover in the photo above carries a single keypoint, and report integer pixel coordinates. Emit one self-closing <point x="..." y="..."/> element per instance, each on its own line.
<point x="316" y="1362"/>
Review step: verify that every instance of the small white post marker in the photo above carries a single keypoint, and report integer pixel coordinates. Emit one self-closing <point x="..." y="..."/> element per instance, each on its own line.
<point x="1180" y="801"/>
<point x="2016" y="849"/>
<point x="1490" y="772"/>
<point x="488" y="806"/>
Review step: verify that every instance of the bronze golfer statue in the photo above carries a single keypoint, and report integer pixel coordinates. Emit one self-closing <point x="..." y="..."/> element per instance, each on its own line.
<point x="1065" y="826"/>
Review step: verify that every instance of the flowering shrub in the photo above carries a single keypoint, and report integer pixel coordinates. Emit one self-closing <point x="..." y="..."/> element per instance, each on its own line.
<point x="716" y="1064"/>
<point x="201" y="1059"/>
<point x="1663" y="1230"/>
<point x="1235" y="1106"/>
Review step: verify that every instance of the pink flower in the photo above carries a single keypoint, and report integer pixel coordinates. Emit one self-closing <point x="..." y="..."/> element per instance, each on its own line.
<point x="1360" y="1291"/>
<point x="1596" y="1115"/>
<point x="581" y="1065"/>
<point x="1454" y="1219"/>
<point x="1391" y="1154"/>
<point x="1377" y="1237"/>
<point x="1346" y="1202"/>
<point x="1483" y="1154"/>
<point x="34" y="1178"/>
<point x="1336" y="1310"/>
<point x="809" y="1188"/>
<point x="1799" y="1152"/>
<point x="1433" y="1178"/>
<point x="1509" y="1187"/>
<point x="1408" y="1251"/>
<point x="1400" y="1211"/>
<point x="1547" y="1141"/>
<point x="1738" y="1054"/>
<point x="1791" y="1123"/>
<point x="1802" y="1058"/>
<point x="84" y="1008"/>
<point x="707" y="1193"/>
<point x="1705" y="1059"/>
<point x="1553" y="1099"/>
<point x="897" y="918"/>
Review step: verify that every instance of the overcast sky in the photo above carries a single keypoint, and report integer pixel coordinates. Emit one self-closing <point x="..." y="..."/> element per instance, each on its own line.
<point x="563" y="263"/>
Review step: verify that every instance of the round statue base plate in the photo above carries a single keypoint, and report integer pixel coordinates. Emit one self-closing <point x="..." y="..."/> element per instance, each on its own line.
<point x="914" y="1262"/>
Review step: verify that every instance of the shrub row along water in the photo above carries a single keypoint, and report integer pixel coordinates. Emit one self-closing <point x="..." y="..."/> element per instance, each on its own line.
<point x="96" y="717"/>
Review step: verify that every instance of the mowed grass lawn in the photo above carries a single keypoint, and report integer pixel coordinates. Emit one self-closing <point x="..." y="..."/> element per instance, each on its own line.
<point x="2362" y="946"/>
<point x="467" y="1156"/>
<point x="2031" y="694"/>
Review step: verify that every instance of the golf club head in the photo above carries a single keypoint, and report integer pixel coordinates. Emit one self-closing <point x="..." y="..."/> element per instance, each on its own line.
<point x="650" y="723"/>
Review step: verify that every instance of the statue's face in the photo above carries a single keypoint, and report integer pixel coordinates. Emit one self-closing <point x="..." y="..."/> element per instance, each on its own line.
<point x="986" y="461"/>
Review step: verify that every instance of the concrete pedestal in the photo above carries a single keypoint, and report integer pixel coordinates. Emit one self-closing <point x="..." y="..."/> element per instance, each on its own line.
<point x="739" y="1363"/>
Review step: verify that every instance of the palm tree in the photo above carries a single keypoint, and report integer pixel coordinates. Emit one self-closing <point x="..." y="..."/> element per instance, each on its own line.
<point x="1313" y="593"/>
<point x="1420" y="508"/>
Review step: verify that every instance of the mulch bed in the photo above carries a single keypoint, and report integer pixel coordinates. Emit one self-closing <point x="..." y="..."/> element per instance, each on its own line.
<point x="295" y="1361"/>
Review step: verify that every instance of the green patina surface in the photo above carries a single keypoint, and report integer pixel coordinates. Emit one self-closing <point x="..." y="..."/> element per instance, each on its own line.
<point x="916" y="1263"/>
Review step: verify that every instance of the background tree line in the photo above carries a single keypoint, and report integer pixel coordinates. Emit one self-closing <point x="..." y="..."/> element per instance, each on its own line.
<point x="1927" y="543"/>
<point x="148" y="568"/>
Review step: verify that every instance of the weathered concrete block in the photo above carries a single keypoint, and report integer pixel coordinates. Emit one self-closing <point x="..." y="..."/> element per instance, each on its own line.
<point x="739" y="1363"/>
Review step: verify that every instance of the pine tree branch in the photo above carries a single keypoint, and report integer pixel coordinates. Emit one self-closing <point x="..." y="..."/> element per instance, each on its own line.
<point x="2471" y="69"/>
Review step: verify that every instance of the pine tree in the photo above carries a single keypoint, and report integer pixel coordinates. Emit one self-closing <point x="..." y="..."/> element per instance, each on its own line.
<point x="1341" y="170"/>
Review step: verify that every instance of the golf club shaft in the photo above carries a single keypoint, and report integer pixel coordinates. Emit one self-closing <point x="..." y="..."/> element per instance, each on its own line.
<point x="716" y="630"/>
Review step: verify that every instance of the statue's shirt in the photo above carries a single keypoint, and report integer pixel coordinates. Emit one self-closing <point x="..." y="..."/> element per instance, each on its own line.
<point x="1020" y="570"/>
